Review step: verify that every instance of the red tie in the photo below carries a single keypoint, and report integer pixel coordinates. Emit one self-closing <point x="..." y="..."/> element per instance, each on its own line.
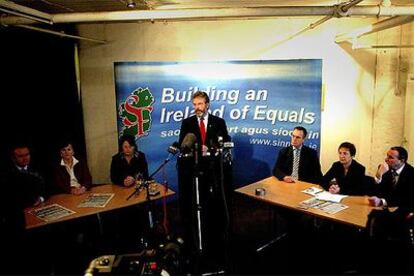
<point x="202" y="131"/>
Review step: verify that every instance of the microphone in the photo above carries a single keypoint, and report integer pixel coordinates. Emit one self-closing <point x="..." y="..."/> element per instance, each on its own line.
<point x="220" y="141"/>
<point x="174" y="148"/>
<point x="188" y="142"/>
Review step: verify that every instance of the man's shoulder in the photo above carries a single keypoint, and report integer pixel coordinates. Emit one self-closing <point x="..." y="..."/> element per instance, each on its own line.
<point x="189" y="119"/>
<point x="409" y="169"/>
<point x="308" y="149"/>
<point x="213" y="118"/>
<point x="285" y="150"/>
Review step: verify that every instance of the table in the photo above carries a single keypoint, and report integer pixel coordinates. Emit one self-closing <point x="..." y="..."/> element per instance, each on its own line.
<point x="71" y="202"/>
<point x="289" y="195"/>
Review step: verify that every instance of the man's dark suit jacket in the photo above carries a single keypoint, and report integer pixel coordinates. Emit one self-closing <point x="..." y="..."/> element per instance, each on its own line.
<point x="402" y="194"/>
<point x="31" y="184"/>
<point x="216" y="127"/>
<point x="353" y="183"/>
<point x="309" y="166"/>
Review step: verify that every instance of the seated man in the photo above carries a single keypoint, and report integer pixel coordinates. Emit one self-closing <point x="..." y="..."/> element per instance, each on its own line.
<point x="22" y="172"/>
<point x="298" y="162"/>
<point x="389" y="229"/>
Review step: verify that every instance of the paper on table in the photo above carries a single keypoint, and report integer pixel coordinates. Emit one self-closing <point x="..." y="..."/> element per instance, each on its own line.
<point x="333" y="208"/>
<point x="52" y="212"/>
<point x="96" y="200"/>
<point x="330" y="197"/>
<point x="312" y="191"/>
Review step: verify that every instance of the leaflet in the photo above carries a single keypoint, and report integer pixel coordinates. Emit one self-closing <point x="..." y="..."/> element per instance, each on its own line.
<point x="96" y="200"/>
<point x="52" y="212"/>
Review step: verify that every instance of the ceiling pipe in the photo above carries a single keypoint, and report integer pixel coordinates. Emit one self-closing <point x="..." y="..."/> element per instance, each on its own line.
<point x="61" y="34"/>
<point x="30" y="17"/>
<point x="217" y="13"/>
<point x="358" y="47"/>
<point x="340" y="10"/>
<point x="376" y="27"/>
<point x="13" y="8"/>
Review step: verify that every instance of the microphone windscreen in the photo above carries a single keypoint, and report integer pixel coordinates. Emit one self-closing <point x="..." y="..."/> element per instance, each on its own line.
<point x="188" y="142"/>
<point x="174" y="148"/>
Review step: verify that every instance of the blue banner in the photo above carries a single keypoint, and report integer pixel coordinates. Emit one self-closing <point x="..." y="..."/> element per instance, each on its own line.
<point x="261" y="101"/>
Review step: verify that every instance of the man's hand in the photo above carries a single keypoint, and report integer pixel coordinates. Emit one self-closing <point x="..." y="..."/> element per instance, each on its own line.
<point x="288" y="179"/>
<point x="129" y="181"/>
<point x="374" y="201"/>
<point x="382" y="168"/>
<point x="38" y="201"/>
<point x="78" y="190"/>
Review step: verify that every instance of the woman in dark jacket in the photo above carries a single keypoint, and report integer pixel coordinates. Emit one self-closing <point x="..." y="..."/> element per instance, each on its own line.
<point x="129" y="163"/>
<point x="349" y="175"/>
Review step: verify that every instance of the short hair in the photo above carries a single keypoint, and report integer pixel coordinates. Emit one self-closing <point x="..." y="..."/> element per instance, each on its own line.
<point x="349" y="146"/>
<point x="128" y="138"/>
<point x="64" y="143"/>
<point x="201" y="94"/>
<point x="19" y="145"/>
<point x="402" y="153"/>
<point x="301" y="128"/>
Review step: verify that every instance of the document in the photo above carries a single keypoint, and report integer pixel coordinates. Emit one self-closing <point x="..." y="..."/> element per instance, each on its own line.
<point x="52" y="212"/>
<point x="311" y="203"/>
<point x="312" y="191"/>
<point x="327" y="196"/>
<point x="333" y="208"/>
<point x="325" y="206"/>
<point x="96" y="200"/>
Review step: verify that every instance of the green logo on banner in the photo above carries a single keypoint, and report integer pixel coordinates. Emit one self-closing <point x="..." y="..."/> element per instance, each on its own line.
<point x="135" y="112"/>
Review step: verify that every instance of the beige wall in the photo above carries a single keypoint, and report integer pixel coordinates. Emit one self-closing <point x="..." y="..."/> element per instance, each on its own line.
<point x="359" y="85"/>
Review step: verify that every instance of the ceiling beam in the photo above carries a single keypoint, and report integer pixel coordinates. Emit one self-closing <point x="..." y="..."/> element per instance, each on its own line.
<point x="217" y="13"/>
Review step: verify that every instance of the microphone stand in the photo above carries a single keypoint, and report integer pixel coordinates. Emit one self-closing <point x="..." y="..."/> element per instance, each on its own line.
<point x="197" y="194"/>
<point x="225" y="206"/>
<point x="144" y="184"/>
<point x="198" y="207"/>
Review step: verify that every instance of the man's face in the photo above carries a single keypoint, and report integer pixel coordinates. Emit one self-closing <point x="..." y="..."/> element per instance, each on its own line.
<point x="392" y="159"/>
<point x="297" y="138"/>
<point x="22" y="156"/>
<point x="200" y="106"/>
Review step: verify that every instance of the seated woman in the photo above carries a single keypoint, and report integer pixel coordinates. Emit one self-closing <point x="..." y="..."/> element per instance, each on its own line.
<point x="128" y="163"/>
<point x="348" y="173"/>
<point x="71" y="175"/>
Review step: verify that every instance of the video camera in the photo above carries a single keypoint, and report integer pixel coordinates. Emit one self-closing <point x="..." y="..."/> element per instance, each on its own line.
<point x="166" y="259"/>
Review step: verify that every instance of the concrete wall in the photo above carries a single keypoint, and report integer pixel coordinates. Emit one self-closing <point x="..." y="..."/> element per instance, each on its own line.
<point x="359" y="97"/>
